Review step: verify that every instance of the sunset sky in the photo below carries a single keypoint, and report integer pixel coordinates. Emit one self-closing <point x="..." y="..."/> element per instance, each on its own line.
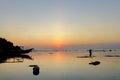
<point x="60" y="22"/>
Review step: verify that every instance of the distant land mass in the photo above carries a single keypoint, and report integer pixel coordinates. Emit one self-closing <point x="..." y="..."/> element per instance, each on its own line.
<point x="92" y="46"/>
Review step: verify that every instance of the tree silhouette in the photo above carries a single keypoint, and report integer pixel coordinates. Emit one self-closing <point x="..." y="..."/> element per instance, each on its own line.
<point x="6" y="45"/>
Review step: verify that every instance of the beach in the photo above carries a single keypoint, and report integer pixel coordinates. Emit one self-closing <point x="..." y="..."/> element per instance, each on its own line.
<point x="63" y="65"/>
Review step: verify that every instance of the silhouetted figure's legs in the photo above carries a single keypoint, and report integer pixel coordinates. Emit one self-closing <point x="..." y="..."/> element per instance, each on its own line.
<point x="90" y="51"/>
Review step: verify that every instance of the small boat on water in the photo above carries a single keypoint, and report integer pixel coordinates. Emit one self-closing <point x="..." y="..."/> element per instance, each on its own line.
<point x="21" y="51"/>
<point x="15" y="52"/>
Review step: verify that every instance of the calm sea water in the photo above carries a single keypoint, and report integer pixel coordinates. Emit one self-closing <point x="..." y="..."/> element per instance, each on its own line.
<point x="62" y="65"/>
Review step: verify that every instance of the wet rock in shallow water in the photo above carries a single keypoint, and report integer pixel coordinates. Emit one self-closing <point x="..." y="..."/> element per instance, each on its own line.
<point x="35" y="69"/>
<point x="112" y="55"/>
<point x="95" y="63"/>
<point x="84" y="57"/>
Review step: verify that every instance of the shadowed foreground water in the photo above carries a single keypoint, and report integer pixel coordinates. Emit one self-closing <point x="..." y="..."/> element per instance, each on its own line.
<point x="63" y="65"/>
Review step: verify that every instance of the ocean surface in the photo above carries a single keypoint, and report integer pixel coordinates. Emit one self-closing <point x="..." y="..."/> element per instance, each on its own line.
<point x="62" y="65"/>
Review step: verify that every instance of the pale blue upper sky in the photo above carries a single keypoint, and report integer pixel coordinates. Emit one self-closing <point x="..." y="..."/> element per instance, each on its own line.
<point x="63" y="21"/>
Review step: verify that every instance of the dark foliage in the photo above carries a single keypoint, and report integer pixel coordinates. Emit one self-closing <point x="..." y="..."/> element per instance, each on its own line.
<point x="7" y="45"/>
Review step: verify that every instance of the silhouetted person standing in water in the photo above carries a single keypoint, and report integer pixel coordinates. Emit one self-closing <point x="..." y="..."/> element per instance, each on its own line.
<point x="90" y="51"/>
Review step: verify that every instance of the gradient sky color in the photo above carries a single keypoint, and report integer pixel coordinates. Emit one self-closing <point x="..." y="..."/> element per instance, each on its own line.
<point x="60" y="22"/>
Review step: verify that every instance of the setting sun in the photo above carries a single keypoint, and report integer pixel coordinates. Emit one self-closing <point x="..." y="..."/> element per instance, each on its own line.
<point x="58" y="43"/>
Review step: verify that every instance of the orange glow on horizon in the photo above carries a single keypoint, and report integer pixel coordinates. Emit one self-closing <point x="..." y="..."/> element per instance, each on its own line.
<point x="58" y="44"/>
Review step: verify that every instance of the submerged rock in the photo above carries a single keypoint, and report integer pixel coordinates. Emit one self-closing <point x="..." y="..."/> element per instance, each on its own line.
<point x="35" y="69"/>
<point x="95" y="63"/>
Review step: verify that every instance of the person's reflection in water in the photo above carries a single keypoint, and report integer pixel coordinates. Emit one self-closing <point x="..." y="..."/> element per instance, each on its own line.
<point x="35" y="69"/>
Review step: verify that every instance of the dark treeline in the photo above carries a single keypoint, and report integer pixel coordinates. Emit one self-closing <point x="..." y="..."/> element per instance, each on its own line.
<point x="7" y="45"/>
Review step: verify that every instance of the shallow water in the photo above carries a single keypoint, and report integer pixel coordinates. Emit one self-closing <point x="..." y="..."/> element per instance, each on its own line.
<point x="62" y="65"/>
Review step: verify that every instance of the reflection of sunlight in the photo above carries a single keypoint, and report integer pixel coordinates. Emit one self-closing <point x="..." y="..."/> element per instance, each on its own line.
<point x="58" y="57"/>
<point x="60" y="60"/>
